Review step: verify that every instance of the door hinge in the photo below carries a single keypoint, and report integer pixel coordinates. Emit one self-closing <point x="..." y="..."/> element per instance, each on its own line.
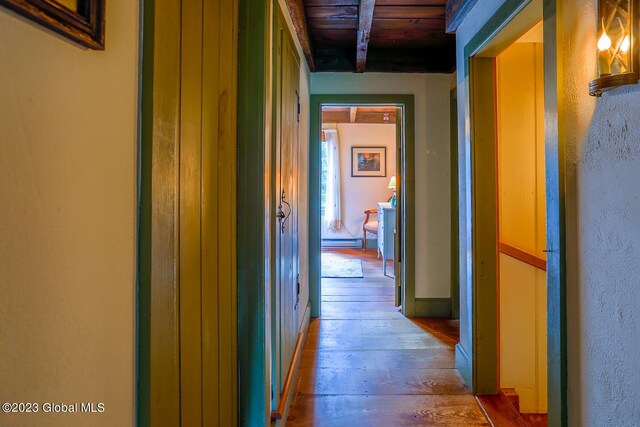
<point x="299" y="106"/>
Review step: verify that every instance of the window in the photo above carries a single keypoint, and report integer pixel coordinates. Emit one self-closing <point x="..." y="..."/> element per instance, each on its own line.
<point x="323" y="179"/>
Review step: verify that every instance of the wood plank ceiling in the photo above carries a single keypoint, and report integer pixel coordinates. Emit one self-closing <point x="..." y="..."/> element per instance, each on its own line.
<point x="374" y="35"/>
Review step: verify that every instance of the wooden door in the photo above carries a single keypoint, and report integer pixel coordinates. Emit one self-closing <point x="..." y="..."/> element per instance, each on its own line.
<point x="286" y="288"/>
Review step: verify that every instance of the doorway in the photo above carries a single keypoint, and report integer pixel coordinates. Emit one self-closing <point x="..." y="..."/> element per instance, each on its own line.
<point x="517" y="348"/>
<point x="386" y="108"/>
<point x="522" y="224"/>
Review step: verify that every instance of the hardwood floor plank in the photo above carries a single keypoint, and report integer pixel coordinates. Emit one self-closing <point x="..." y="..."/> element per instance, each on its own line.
<point x="365" y="364"/>
<point x="443" y="358"/>
<point x="380" y="381"/>
<point x="385" y="411"/>
<point x="363" y="327"/>
<point x="358" y="291"/>
<point x="357" y="298"/>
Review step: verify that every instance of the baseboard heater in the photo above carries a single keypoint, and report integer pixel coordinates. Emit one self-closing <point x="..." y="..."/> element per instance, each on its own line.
<point x="342" y="243"/>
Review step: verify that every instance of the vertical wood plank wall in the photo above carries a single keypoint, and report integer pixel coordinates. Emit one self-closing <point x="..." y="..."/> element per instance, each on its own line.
<point x="187" y="286"/>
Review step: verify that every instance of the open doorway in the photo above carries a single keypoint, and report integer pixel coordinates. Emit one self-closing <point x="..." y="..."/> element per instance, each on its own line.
<point x="362" y="206"/>
<point x="358" y="204"/>
<point x="522" y="225"/>
<point x="507" y="79"/>
<point x="358" y="185"/>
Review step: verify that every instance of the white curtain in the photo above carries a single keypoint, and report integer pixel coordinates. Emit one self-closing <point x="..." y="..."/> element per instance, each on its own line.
<point x="332" y="218"/>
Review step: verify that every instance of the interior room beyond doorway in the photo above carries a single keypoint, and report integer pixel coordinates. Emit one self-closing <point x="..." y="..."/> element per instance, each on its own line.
<point x="358" y="168"/>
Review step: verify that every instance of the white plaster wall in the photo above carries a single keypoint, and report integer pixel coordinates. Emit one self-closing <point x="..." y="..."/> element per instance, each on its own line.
<point x="602" y="140"/>
<point x="432" y="164"/>
<point x="357" y="193"/>
<point x="68" y="144"/>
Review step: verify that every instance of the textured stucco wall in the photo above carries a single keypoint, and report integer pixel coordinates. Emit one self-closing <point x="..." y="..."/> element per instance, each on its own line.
<point x="432" y="163"/>
<point x="68" y="143"/>
<point x="603" y="234"/>
<point x="602" y="141"/>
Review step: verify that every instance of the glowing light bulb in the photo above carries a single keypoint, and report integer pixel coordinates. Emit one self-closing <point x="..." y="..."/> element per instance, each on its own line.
<point x="604" y="42"/>
<point x="626" y="44"/>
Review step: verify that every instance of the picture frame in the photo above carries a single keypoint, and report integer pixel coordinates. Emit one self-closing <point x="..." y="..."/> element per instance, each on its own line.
<point x="79" y="20"/>
<point x="369" y="161"/>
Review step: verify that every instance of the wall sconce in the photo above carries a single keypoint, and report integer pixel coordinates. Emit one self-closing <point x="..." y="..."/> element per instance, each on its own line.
<point x="617" y="47"/>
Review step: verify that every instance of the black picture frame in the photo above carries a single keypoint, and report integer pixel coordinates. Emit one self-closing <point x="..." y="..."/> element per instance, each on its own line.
<point x="84" y="26"/>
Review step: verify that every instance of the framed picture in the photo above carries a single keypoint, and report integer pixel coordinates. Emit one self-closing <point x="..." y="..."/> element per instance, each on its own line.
<point x="368" y="161"/>
<point x="79" y="20"/>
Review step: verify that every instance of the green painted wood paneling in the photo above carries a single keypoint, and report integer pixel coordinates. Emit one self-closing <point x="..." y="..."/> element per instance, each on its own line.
<point x="254" y="241"/>
<point x="485" y="226"/>
<point x="406" y="102"/>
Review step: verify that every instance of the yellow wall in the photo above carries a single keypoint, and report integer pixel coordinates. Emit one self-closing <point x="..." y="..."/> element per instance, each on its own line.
<point x="68" y="144"/>
<point x="519" y="78"/>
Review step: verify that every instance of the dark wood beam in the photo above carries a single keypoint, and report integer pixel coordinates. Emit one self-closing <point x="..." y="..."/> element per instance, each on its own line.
<point x="456" y="12"/>
<point x="299" y="19"/>
<point x="365" y="19"/>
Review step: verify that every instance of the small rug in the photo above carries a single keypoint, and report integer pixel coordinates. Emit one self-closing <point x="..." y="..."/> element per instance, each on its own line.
<point x="335" y="266"/>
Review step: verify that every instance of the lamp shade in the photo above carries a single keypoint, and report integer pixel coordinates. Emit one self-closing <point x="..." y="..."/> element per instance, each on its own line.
<point x="392" y="182"/>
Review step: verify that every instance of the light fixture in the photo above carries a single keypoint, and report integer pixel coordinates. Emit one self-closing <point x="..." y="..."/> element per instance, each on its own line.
<point x="392" y="185"/>
<point x="618" y="55"/>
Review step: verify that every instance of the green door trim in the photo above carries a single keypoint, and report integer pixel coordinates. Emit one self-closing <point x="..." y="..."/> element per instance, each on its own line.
<point x="253" y="236"/>
<point x="406" y="101"/>
<point x="556" y="234"/>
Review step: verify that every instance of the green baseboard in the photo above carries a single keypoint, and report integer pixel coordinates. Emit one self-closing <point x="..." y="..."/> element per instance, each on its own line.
<point x="433" y="307"/>
<point x="463" y="365"/>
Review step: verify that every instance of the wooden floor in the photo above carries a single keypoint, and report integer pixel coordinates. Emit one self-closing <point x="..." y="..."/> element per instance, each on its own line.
<point x="364" y="364"/>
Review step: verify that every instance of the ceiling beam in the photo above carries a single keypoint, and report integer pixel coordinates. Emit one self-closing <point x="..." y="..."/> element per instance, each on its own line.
<point x="299" y="19"/>
<point x="353" y="114"/>
<point x="365" y="17"/>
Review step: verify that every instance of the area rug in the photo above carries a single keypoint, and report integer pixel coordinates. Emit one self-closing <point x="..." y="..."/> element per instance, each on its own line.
<point x="335" y="266"/>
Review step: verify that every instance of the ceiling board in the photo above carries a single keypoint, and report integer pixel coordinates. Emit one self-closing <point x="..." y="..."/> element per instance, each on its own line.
<point x="334" y="38"/>
<point x="312" y="3"/>
<point x="372" y="117"/>
<point x="333" y="24"/>
<point x="412" y="12"/>
<point x="411" y="26"/>
<point x="408" y="24"/>
<point x="332" y="12"/>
